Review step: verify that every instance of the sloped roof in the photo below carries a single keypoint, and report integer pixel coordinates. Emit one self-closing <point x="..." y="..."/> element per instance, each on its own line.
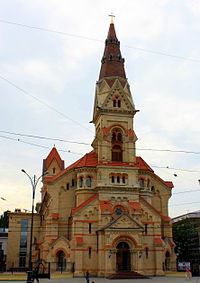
<point x="53" y="155"/>
<point x="142" y="164"/>
<point x="88" y="160"/>
<point x="91" y="160"/>
<point x="164" y="217"/>
<point x="85" y="203"/>
<point x="112" y="61"/>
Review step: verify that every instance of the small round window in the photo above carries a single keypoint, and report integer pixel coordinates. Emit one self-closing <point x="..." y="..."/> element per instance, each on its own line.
<point x="118" y="211"/>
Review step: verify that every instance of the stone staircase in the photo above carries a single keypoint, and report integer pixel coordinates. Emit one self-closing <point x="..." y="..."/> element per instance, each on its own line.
<point x="127" y="275"/>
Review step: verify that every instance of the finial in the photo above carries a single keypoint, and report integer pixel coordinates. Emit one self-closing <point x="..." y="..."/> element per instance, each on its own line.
<point x="111" y="17"/>
<point x="54" y="145"/>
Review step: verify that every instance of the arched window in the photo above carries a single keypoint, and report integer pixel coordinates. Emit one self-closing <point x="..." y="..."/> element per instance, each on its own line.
<point x="89" y="181"/>
<point x="90" y="228"/>
<point x="152" y="189"/>
<point x="146" y="229"/>
<point x="81" y="182"/>
<point x="61" y="261"/>
<point x="117" y="144"/>
<point x="116" y="153"/>
<point x="147" y="252"/>
<point x="54" y="170"/>
<point x="167" y="261"/>
<point x="141" y="181"/>
<point x="117" y="101"/>
<point x="114" y="137"/>
<point x="89" y="252"/>
<point x="119" y="137"/>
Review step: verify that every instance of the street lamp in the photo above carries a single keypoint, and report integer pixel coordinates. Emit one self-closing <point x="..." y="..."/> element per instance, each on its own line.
<point x="34" y="181"/>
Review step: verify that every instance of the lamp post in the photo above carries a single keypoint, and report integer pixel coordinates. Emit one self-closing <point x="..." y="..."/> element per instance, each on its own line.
<point x="34" y="181"/>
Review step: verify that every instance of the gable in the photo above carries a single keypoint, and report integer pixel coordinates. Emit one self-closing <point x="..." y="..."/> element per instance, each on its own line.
<point x="84" y="204"/>
<point x="125" y="102"/>
<point x="149" y="207"/>
<point x="124" y="221"/>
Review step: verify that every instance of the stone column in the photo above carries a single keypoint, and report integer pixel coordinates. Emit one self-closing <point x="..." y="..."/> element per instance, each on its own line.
<point x="159" y="261"/>
<point x="101" y="255"/>
<point x="134" y="260"/>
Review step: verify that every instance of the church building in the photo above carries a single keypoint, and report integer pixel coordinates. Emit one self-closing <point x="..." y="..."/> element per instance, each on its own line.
<point x="108" y="211"/>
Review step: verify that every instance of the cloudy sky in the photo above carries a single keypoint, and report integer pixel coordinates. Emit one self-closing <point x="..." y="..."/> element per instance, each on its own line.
<point x="50" y="54"/>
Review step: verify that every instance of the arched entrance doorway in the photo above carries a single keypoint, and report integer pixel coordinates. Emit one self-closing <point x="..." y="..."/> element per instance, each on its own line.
<point x="123" y="259"/>
<point x="167" y="261"/>
<point x="61" y="261"/>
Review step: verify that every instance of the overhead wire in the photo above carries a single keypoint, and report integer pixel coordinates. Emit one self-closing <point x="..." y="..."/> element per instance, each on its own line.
<point x="88" y="144"/>
<point x="43" y="102"/>
<point x="77" y="153"/>
<point x="41" y="146"/>
<point x="161" y="53"/>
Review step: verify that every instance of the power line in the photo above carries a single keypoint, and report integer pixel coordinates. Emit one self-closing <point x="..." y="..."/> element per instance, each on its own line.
<point x="178" y="169"/>
<point x="170" y="150"/>
<point x="83" y="143"/>
<point x="38" y="145"/>
<point x="162" y="53"/>
<point x="51" y="31"/>
<point x="44" y="138"/>
<point x="77" y="153"/>
<point x="185" y="203"/>
<point x="42" y="102"/>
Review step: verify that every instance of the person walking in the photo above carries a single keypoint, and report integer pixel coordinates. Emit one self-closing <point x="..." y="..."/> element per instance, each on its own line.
<point x="87" y="277"/>
<point x="35" y="275"/>
<point x="188" y="274"/>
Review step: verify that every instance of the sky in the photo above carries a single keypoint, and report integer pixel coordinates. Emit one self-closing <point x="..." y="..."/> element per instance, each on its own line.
<point x="50" y="54"/>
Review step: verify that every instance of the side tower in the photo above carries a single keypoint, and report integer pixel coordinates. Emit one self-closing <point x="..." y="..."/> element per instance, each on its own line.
<point x="113" y="107"/>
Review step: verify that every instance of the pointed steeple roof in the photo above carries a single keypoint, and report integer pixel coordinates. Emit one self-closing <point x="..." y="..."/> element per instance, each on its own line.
<point x="53" y="155"/>
<point x="112" y="63"/>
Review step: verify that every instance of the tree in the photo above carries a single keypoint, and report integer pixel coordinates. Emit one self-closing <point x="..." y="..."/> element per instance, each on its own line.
<point x="4" y="219"/>
<point x="185" y="236"/>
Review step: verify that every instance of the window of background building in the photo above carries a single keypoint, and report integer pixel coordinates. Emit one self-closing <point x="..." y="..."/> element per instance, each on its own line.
<point x="23" y="243"/>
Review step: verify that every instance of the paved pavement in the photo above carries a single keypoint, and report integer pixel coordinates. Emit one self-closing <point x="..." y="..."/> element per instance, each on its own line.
<point x="103" y="280"/>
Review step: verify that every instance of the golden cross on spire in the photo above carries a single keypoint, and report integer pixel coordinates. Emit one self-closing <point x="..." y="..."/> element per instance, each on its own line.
<point x="112" y="16"/>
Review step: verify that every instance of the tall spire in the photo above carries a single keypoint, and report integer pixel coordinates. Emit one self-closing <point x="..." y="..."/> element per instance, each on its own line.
<point x="112" y="63"/>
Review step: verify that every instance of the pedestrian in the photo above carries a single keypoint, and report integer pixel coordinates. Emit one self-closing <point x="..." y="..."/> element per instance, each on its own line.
<point x="188" y="274"/>
<point x="87" y="277"/>
<point x="35" y="275"/>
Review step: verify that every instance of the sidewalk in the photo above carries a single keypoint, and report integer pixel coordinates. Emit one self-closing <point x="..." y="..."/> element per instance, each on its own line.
<point x="17" y="276"/>
<point x="103" y="280"/>
<point x="60" y="277"/>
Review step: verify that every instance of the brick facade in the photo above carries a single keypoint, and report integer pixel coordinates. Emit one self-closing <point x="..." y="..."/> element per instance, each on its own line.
<point x="108" y="211"/>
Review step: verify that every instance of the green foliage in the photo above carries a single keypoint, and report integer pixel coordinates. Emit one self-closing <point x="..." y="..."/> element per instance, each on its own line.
<point x="4" y="219"/>
<point x="185" y="236"/>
